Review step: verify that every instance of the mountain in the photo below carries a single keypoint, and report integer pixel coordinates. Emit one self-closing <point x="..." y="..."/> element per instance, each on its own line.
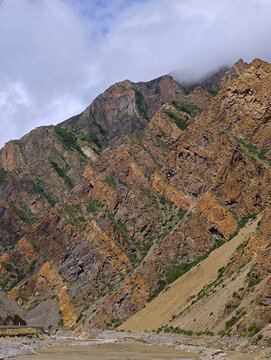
<point x="102" y="215"/>
<point x="223" y="160"/>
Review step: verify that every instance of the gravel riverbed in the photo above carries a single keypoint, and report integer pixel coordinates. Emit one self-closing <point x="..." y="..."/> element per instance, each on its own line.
<point x="200" y="348"/>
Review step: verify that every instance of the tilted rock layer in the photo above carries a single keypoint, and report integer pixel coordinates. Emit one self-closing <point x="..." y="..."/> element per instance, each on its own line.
<point x="100" y="213"/>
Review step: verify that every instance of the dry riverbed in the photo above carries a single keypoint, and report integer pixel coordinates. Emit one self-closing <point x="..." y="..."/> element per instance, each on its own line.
<point x="109" y="345"/>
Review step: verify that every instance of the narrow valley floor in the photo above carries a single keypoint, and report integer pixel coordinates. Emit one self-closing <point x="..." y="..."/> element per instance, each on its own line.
<point x="110" y="345"/>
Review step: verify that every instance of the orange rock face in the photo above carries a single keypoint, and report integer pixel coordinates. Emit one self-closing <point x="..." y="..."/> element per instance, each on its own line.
<point x="216" y="214"/>
<point x="27" y="249"/>
<point x="164" y="187"/>
<point x="48" y="282"/>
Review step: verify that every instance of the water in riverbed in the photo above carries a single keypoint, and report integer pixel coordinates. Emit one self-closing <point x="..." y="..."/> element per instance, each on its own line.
<point x="117" y="351"/>
<point x="110" y="352"/>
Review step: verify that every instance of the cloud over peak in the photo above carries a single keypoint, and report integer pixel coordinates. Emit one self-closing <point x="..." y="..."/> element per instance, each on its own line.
<point x="57" y="55"/>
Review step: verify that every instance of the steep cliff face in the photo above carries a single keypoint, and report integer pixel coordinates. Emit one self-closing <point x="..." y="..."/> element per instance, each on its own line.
<point x="99" y="214"/>
<point x="40" y="169"/>
<point x="125" y="107"/>
<point x="99" y="233"/>
<point x="222" y="162"/>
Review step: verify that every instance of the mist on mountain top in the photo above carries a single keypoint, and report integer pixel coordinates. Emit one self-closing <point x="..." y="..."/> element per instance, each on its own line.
<point x="61" y="54"/>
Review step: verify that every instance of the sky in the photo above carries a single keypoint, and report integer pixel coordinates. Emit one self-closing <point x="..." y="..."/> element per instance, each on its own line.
<point x="56" y="56"/>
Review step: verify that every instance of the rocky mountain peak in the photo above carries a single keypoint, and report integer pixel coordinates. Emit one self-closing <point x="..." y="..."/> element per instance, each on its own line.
<point x="239" y="66"/>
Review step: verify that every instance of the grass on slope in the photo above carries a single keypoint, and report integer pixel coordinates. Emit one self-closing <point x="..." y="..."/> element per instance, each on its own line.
<point x="63" y="174"/>
<point x="3" y="176"/>
<point x="241" y="223"/>
<point x="180" y="122"/>
<point x="67" y="138"/>
<point x="190" y="109"/>
<point x="254" y="152"/>
<point x="141" y="104"/>
<point x="24" y="213"/>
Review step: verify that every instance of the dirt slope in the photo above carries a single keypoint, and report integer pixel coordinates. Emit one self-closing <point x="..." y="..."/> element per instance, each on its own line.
<point x="173" y="300"/>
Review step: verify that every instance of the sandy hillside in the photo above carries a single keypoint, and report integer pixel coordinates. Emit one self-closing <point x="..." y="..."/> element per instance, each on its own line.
<point x="177" y="297"/>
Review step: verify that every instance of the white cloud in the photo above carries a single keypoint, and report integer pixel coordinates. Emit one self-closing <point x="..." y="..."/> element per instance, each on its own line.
<point x="14" y="99"/>
<point x="57" y="55"/>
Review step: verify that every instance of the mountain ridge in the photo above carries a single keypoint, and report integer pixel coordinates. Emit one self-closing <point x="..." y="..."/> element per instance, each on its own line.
<point x="132" y="217"/>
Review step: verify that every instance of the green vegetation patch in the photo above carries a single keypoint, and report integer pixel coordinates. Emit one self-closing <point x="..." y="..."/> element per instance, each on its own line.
<point x="114" y="323"/>
<point x="111" y="182"/>
<point x="177" y="270"/>
<point x="161" y="285"/>
<point x="190" y="109"/>
<point x="123" y="183"/>
<point x="67" y="138"/>
<point x="35" y="304"/>
<point x="144" y="249"/>
<point x="181" y="123"/>
<point x="213" y="92"/>
<point x="239" y="314"/>
<point x="32" y="265"/>
<point x="63" y="174"/>
<point x="119" y="225"/>
<point x="38" y="187"/>
<point x="165" y="201"/>
<point x="8" y="266"/>
<point x="241" y="223"/>
<point x="73" y="216"/>
<point x="253" y="329"/>
<point x="24" y="214"/>
<point x="174" y="271"/>
<point x="177" y="330"/>
<point x="100" y="128"/>
<point x="138" y="143"/>
<point x="231" y="322"/>
<point x="254" y="152"/>
<point x="141" y="104"/>
<point x="9" y="286"/>
<point x="3" y="176"/>
<point x="90" y="139"/>
<point x="93" y="206"/>
<point x="60" y="323"/>
<point x="242" y="245"/>
<point x="79" y="317"/>
<point x="252" y="281"/>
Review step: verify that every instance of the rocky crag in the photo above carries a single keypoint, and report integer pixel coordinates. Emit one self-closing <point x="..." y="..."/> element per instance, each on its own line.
<point x="99" y="214"/>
